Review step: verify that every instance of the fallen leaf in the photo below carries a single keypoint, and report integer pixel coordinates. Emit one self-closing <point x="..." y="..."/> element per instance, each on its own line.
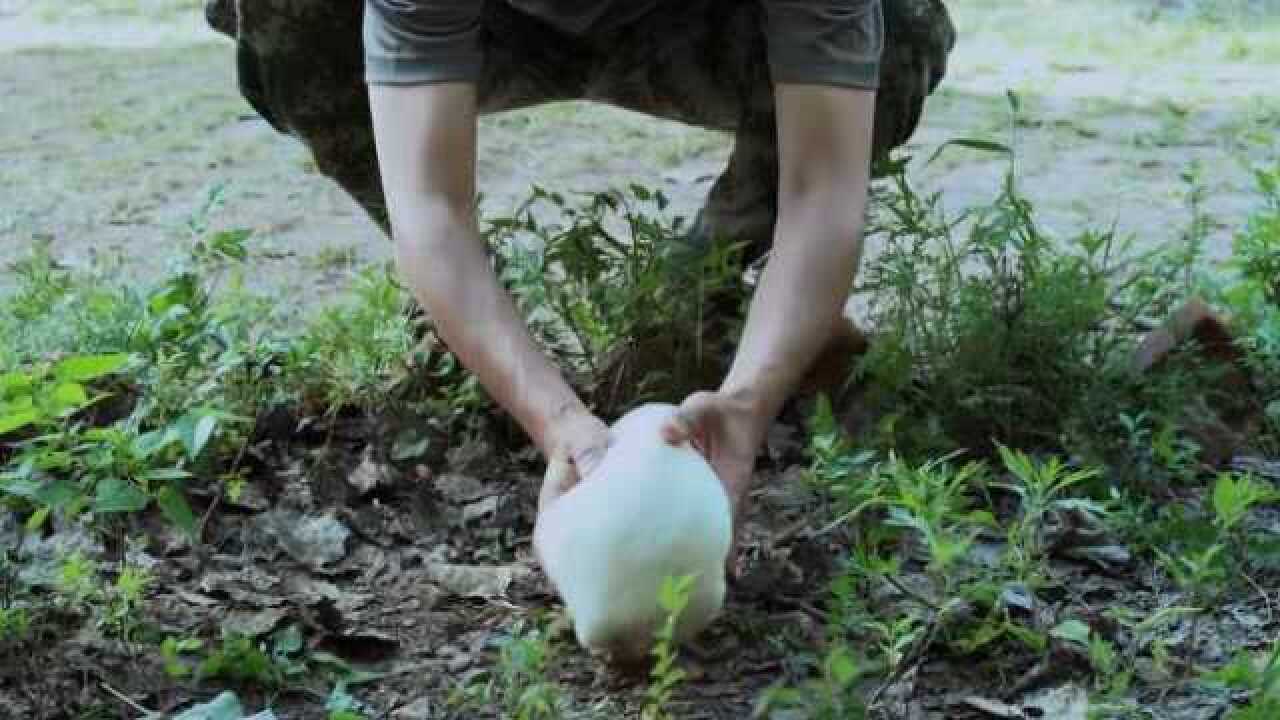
<point x="458" y="488"/>
<point x="994" y="708"/>
<point x="478" y="581"/>
<point x="195" y="598"/>
<point x="253" y="624"/>
<point x="479" y="509"/>
<point x="314" y="541"/>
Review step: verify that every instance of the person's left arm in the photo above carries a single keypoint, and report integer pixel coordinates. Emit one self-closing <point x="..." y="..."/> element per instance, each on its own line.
<point x="825" y="114"/>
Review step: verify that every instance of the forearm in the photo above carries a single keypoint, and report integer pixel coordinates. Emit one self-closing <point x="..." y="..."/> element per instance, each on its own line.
<point x="426" y="139"/>
<point x="824" y="150"/>
<point x="442" y="257"/>
<point x="799" y="300"/>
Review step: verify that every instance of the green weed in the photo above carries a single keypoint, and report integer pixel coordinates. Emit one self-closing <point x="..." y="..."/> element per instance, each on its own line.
<point x="665" y="677"/>
<point x="611" y="296"/>
<point x="519" y="683"/>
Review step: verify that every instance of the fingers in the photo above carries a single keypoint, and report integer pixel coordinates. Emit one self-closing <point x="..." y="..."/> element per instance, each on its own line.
<point x="689" y="422"/>
<point x="586" y="460"/>
<point x="561" y="476"/>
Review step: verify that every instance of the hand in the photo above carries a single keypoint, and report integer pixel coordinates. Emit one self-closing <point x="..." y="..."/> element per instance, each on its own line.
<point x="728" y="430"/>
<point x="578" y="444"/>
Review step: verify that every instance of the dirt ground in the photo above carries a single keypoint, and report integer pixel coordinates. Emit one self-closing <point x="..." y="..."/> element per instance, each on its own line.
<point x="119" y="116"/>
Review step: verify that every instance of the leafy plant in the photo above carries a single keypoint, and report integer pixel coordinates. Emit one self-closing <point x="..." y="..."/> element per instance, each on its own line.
<point x="627" y="312"/>
<point x="830" y="696"/>
<point x="240" y="659"/>
<point x="47" y="395"/>
<point x="124" y="601"/>
<point x="991" y="331"/>
<point x="1041" y="487"/>
<point x="665" y="676"/>
<point x="1260" y="676"/>
<point x="518" y="683"/>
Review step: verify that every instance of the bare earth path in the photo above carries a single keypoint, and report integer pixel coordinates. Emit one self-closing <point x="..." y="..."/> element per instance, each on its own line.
<point x="119" y="118"/>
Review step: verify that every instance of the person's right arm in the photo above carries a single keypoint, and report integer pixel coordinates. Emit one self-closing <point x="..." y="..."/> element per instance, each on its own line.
<point x="426" y="144"/>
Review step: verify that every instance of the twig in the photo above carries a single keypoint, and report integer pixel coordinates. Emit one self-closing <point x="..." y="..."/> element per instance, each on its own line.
<point x="912" y="594"/>
<point x="1266" y="598"/>
<point x="128" y="701"/>
<point x="217" y="498"/>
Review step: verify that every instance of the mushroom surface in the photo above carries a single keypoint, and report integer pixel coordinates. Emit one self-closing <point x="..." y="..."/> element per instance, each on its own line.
<point x="650" y="510"/>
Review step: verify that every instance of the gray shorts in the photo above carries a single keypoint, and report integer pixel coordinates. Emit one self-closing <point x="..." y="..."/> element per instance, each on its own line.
<point x="831" y="42"/>
<point x="301" y="64"/>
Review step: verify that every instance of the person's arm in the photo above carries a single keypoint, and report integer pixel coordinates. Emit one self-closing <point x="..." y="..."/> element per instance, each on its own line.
<point x="824" y="143"/>
<point x="426" y="145"/>
<point x="824" y="154"/>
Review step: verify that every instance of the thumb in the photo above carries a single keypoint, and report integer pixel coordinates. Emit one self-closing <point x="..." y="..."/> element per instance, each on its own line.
<point x="559" y="479"/>
<point x="688" y="423"/>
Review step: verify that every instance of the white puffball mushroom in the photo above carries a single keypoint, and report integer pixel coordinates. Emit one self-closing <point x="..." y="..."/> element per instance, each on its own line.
<point x="651" y="510"/>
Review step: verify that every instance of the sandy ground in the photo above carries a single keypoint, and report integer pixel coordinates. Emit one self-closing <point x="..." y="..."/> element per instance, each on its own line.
<point x="120" y="117"/>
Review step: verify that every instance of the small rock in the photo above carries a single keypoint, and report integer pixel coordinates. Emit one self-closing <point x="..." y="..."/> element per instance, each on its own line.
<point x="44" y="557"/>
<point x="419" y="709"/>
<point x="369" y="474"/>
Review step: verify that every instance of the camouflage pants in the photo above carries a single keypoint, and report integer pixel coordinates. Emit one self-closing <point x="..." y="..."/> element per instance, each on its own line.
<point x="704" y="63"/>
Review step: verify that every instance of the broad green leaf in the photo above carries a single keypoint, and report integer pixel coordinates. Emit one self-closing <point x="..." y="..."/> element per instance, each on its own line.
<point x="231" y="243"/>
<point x="58" y="494"/>
<point x="194" y="430"/>
<point x="37" y="519"/>
<point x="286" y="641"/>
<point x="1072" y="631"/>
<point x="69" y="396"/>
<point x="115" y="495"/>
<point x="842" y="667"/>
<point x="176" y="510"/>
<point x="12" y="383"/>
<point x="89" y="367"/>
<point x="172" y="473"/>
<point x="149" y="443"/>
<point x="17" y="420"/>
